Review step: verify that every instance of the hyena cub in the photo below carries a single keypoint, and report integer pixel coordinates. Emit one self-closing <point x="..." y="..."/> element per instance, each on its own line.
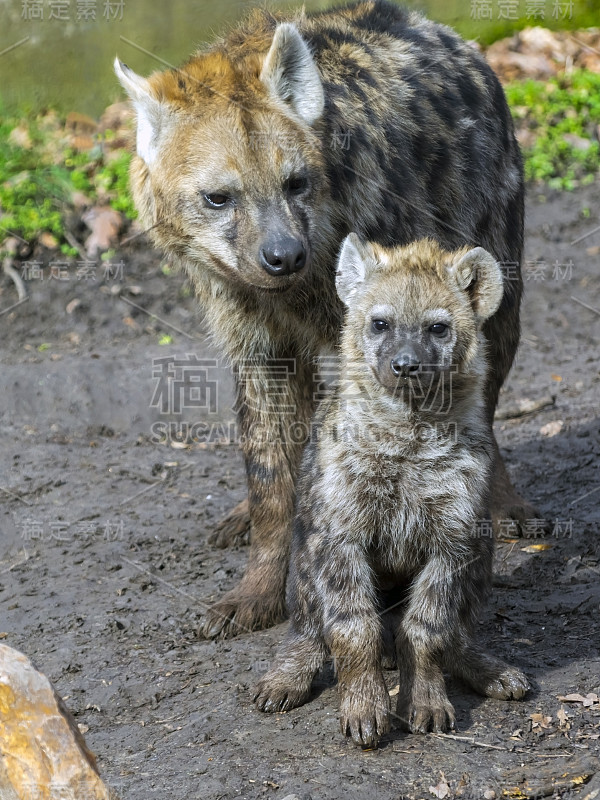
<point x="392" y="494"/>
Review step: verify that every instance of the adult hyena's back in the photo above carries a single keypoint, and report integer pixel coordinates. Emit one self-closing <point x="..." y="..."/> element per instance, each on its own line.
<point x="420" y="135"/>
<point x="421" y="143"/>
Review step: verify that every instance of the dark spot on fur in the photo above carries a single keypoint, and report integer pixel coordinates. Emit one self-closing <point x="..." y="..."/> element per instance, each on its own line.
<point x="259" y="472"/>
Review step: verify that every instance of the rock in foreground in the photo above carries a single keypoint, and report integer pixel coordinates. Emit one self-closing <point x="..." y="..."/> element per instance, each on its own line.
<point x="43" y="756"/>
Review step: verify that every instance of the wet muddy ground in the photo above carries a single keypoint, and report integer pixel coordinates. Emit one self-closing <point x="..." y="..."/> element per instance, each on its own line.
<point x="105" y="569"/>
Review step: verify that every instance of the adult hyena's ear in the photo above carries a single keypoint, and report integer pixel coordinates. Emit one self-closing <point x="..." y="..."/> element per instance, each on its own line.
<point x="291" y="74"/>
<point x="150" y="112"/>
<point x="478" y="273"/>
<point x="354" y="264"/>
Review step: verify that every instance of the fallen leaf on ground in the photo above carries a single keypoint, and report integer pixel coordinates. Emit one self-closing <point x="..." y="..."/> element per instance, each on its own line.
<point x="48" y="240"/>
<point x="442" y="789"/>
<point x="575" y="697"/>
<point x="552" y="428"/>
<point x="536" y="548"/>
<point x="562" y="717"/>
<point x="105" y="224"/>
<point x="540" y="721"/>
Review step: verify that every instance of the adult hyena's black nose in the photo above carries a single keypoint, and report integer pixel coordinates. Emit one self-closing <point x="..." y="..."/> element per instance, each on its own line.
<point x="282" y="256"/>
<point x="406" y="363"/>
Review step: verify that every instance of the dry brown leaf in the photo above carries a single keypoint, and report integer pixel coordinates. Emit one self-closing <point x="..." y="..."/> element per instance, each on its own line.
<point x="131" y="323"/>
<point x="536" y="548"/>
<point x="441" y="790"/>
<point x="562" y="717"/>
<point x="540" y="721"/>
<point x="72" y="305"/>
<point x="552" y="428"/>
<point x="105" y="224"/>
<point x="575" y="697"/>
<point x="48" y="240"/>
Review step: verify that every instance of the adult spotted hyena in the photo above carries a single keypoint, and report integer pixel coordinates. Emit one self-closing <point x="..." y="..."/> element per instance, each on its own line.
<point x="393" y="493"/>
<point x="255" y="160"/>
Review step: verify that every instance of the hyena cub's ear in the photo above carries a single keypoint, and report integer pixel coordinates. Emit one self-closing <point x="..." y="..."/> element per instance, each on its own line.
<point x="150" y="112"/>
<point x="478" y="273"/>
<point x="291" y="74"/>
<point x="355" y="261"/>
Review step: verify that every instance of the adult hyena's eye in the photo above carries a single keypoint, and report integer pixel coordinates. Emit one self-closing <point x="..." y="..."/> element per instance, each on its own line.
<point x="216" y="200"/>
<point x="379" y="325"/>
<point x="439" y="329"/>
<point x="296" y="184"/>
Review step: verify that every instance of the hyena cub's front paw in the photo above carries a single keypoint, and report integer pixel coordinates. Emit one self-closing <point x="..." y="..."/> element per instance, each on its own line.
<point x="427" y="708"/>
<point x="279" y="690"/>
<point x="365" y="710"/>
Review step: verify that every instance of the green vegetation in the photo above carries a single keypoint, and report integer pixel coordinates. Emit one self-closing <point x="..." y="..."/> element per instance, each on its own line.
<point x="39" y="172"/>
<point x="561" y="117"/>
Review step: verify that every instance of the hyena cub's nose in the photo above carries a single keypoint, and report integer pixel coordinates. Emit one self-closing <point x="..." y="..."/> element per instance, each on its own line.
<point x="406" y="363"/>
<point x="283" y="256"/>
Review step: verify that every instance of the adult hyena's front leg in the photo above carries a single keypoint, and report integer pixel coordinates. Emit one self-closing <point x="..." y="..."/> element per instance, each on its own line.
<point x="275" y="405"/>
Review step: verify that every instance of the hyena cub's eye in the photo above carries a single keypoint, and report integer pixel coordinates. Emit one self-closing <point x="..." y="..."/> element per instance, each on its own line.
<point x="379" y="325"/>
<point x="439" y="329"/>
<point x="296" y="184"/>
<point x="216" y="200"/>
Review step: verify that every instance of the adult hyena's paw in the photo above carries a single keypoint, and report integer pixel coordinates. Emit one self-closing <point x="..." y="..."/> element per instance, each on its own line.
<point x="280" y="691"/>
<point x="505" y="683"/>
<point x="233" y="529"/>
<point x="239" y="612"/>
<point x="365" y="711"/>
<point x="511" y="514"/>
<point x="428" y="709"/>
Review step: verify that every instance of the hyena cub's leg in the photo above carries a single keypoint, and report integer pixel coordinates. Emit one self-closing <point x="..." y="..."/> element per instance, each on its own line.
<point x="429" y="625"/>
<point x="352" y="630"/>
<point x="436" y="632"/>
<point x="288" y="683"/>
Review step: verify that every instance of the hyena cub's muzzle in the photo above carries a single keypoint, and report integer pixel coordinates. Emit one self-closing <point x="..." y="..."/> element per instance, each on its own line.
<point x="407" y="362"/>
<point x="282" y="255"/>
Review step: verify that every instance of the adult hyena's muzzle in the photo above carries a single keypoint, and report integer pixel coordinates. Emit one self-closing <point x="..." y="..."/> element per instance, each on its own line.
<point x="282" y="255"/>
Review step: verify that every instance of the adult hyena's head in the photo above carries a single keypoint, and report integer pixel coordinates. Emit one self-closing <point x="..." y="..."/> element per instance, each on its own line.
<point x="414" y="313"/>
<point x="228" y="169"/>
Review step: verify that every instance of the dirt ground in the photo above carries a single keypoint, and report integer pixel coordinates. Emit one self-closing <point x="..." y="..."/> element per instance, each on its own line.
<point x="105" y="569"/>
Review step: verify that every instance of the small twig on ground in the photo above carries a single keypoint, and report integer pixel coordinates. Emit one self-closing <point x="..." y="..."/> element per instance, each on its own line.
<point x="526" y="407"/>
<point x="7" y="266"/>
<point x="74" y="243"/>
<point x="469" y="740"/>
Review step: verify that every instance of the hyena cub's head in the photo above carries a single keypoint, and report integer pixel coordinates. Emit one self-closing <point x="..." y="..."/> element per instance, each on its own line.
<point x="414" y="312"/>
<point x="228" y="166"/>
